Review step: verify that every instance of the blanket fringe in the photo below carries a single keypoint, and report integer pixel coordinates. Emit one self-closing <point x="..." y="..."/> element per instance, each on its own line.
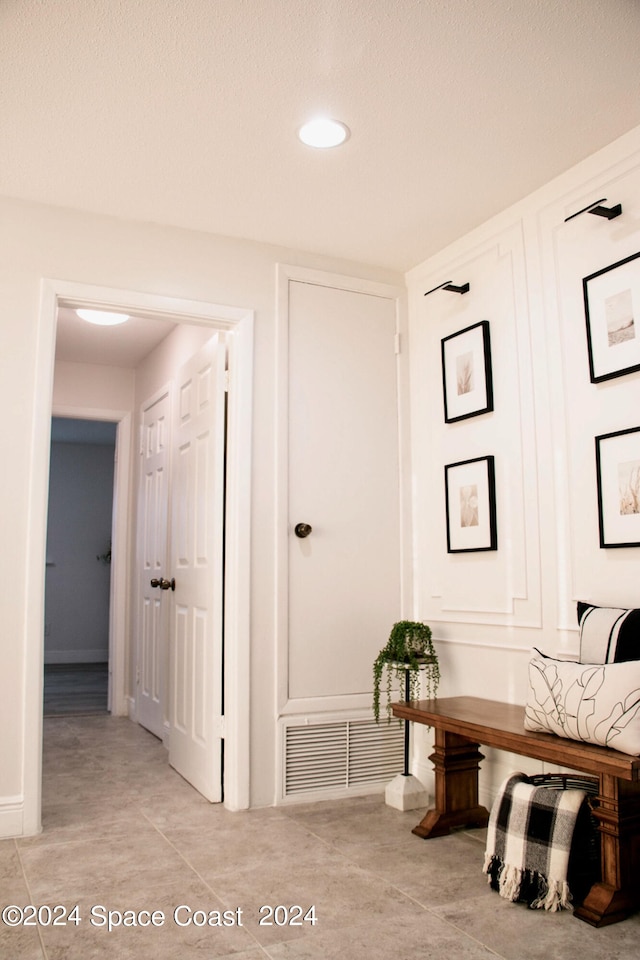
<point x="557" y="897"/>
<point x="510" y="881"/>
<point x="514" y="884"/>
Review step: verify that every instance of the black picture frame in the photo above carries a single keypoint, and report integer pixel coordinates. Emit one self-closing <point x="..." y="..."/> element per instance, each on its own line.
<point x="618" y="479"/>
<point x="612" y="315"/>
<point x="467" y="377"/>
<point x="470" y="504"/>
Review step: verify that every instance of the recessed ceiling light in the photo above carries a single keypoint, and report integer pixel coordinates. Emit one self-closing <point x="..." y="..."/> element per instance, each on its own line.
<point x="323" y="133"/>
<point x="102" y="317"/>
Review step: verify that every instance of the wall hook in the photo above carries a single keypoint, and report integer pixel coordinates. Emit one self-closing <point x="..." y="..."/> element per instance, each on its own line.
<point x="448" y="285"/>
<point x="610" y="213"/>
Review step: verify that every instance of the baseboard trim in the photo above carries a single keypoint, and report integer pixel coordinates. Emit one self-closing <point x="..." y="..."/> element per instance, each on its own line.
<point x="11" y="817"/>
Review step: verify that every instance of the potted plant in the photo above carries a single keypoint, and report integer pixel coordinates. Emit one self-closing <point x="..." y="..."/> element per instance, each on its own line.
<point x="408" y="653"/>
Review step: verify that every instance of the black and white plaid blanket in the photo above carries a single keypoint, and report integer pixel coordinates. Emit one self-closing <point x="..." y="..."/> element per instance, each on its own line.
<point x="529" y="842"/>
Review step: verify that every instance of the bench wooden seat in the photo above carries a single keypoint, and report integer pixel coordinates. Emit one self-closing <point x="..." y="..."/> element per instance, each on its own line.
<point x="462" y="724"/>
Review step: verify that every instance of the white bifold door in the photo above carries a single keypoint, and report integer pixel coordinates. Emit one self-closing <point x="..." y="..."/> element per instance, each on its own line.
<point x="188" y="593"/>
<point x="153" y="508"/>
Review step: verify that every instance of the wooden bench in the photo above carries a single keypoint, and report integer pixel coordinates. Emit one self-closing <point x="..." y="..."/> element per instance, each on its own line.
<point x="462" y="724"/>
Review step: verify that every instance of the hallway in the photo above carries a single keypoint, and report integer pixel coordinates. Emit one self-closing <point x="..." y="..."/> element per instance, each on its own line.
<point x="124" y="832"/>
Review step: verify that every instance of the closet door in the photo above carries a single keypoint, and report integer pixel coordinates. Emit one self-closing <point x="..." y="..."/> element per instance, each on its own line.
<point x="344" y="576"/>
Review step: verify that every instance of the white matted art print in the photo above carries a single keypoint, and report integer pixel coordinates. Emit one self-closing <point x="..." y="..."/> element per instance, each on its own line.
<point x="467" y="380"/>
<point x="612" y="312"/>
<point x="470" y="502"/>
<point x="618" y="475"/>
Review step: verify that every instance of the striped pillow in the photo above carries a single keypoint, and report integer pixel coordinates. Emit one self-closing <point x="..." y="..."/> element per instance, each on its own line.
<point x="608" y="634"/>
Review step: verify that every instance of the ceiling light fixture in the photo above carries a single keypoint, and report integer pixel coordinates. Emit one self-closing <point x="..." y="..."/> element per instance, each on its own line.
<point x="323" y="133"/>
<point x="102" y="317"/>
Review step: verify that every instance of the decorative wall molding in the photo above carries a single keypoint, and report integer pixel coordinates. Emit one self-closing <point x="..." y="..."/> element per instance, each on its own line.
<point x="501" y="588"/>
<point x="569" y="251"/>
<point x="560" y="410"/>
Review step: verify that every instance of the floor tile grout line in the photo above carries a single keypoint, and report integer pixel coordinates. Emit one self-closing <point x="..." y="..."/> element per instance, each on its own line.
<point x="454" y="926"/>
<point x="404" y="893"/>
<point x="198" y="875"/>
<point x="327" y="843"/>
<point x="398" y="889"/>
<point x="428" y="909"/>
<point x="45" y="954"/>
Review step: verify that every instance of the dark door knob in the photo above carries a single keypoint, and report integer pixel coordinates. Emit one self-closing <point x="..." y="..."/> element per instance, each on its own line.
<point x="163" y="583"/>
<point x="302" y="530"/>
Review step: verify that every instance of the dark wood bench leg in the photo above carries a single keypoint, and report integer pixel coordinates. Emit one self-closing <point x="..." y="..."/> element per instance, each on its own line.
<point x="456" y="762"/>
<point x="617" y="893"/>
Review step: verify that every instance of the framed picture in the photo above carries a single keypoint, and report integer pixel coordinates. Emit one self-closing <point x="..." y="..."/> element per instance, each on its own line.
<point x="470" y="501"/>
<point x="618" y="473"/>
<point x="612" y="312"/>
<point x="466" y="373"/>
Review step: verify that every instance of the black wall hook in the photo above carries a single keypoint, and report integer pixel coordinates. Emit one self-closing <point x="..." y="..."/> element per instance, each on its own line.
<point x="447" y="285"/>
<point x="610" y="213"/>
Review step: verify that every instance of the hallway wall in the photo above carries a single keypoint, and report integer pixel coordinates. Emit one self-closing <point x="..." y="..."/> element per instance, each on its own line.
<point x="39" y="242"/>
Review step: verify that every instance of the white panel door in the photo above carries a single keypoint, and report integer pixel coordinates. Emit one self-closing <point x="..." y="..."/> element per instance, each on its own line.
<point x="195" y="746"/>
<point x="344" y="578"/>
<point x="153" y="613"/>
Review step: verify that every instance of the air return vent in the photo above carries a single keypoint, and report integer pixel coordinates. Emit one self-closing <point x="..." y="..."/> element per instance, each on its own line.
<point x="341" y="756"/>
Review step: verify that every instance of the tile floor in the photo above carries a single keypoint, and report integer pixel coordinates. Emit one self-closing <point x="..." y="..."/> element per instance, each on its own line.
<point x="123" y="832"/>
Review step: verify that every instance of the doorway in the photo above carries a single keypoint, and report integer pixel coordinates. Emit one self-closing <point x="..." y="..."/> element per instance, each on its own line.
<point x="78" y="567"/>
<point x="238" y="325"/>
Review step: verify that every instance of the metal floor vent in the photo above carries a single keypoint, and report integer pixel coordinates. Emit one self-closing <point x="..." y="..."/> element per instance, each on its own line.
<point x="340" y="755"/>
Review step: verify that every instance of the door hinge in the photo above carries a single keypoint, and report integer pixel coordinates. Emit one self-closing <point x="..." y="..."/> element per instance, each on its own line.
<point x="220" y="727"/>
<point x="396" y="343"/>
<point x="227" y="381"/>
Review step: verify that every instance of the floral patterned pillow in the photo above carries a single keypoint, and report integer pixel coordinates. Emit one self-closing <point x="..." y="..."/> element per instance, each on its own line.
<point x="595" y="702"/>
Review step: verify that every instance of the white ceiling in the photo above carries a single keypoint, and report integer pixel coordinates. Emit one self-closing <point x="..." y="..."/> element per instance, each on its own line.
<point x="125" y="345"/>
<point x="185" y="111"/>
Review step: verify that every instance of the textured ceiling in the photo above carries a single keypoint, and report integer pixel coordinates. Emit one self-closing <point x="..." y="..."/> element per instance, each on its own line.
<point x="185" y="111"/>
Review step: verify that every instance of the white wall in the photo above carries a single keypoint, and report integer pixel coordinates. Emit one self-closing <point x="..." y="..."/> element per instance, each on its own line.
<point x="92" y="387"/>
<point x="525" y="269"/>
<point x="39" y="242"/>
<point x="160" y="366"/>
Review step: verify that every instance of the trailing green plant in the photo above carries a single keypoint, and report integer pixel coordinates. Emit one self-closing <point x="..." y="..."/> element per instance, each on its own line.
<point x="409" y="648"/>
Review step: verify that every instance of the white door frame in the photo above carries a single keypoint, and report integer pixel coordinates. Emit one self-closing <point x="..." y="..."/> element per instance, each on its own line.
<point x="239" y="322"/>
